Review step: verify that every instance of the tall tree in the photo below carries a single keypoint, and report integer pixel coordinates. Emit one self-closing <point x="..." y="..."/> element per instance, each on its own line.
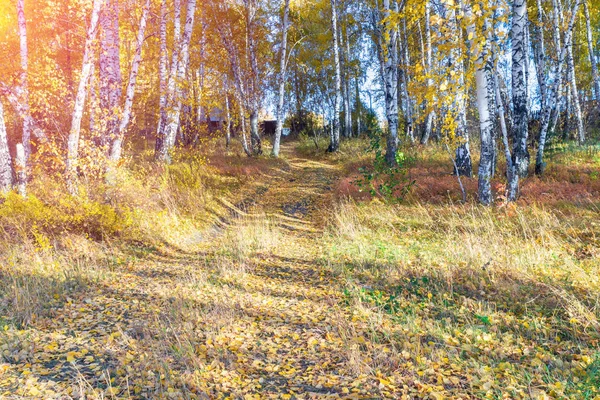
<point x="553" y="90"/>
<point x="334" y="142"/>
<point x="482" y="65"/>
<point x="110" y="70"/>
<point x="281" y="77"/>
<point x="162" y="76"/>
<point x="24" y="86"/>
<point x="117" y="141"/>
<point x="387" y="39"/>
<point x="73" y="139"/>
<point x="572" y="78"/>
<point x="591" y="52"/>
<point x="429" y="71"/>
<point x="175" y="90"/>
<point x="5" y="159"/>
<point x="520" y="46"/>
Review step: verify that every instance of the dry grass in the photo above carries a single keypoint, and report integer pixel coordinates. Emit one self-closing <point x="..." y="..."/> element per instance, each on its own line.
<point x="190" y="296"/>
<point x="430" y="282"/>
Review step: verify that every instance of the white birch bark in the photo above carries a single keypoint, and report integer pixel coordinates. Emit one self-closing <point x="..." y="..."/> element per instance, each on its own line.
<point x="348" y="117"/>
<point x="592" y="54"/>
<point x="281" y="77"/>
<point x="73" y="140"/>
<point x="429" y="71"/>
<point x="462" y="163"/>
<point x="171" y="81"/>
<point x="573" y="81"/>
<point x="174" y="111"/>
<point x="5" y="159"/>
<point x="200" y="117"/>
<point x="254" y="85"/>
<point x="520" y="48"/>
<point x="408" y="109"/>
<point x="486" y="162"/>
<point x="117" y="143"/>
<point x="24" y="86"/>
<point x="389" y="67"/>
<point x="539" y="51"/>
<point x="162" y="73"/>
<point x="21" y="170"/>
<point x="110" y="71"/>
<point x="243" y="127"/>
<point x="228" y="122"/>
<point x="13" y="97"/>
<point x="553" y="90"/>
<point x="334" y="143"/>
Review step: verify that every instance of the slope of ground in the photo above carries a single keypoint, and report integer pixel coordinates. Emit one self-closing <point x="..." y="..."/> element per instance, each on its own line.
<point x="291" y="293"/>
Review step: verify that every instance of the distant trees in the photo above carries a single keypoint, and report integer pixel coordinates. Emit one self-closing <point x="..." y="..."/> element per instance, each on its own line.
<point x="453" y="71"/>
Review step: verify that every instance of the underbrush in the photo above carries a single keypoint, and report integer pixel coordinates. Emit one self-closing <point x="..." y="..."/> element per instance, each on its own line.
<point x="492" y="302"/>
<point x="52" y="244"/>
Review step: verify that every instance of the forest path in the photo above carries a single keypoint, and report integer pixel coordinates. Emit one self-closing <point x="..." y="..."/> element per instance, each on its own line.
<point x="252" y="312"/>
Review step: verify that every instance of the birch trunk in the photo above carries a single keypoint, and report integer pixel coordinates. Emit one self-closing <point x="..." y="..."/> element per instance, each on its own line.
<point x="5" y="160"/>
<point x="573" y="81"/>
<point x="254" y="94"/>
<point x="520" y="48"/>
<point x="13" y="98"/>
<point x="171" y="82"/>
<point x="200" y="118"/>
<point x="24" y="86"/>
<point x="73" y="140"/>
<point x="93" y="104"/>
<point x="463" y="165"/>
<point x="117" y="143"/>
<point x="110" y="71"/>
<point x="408" y="109"/>
<point x="389" y="67"/>
<point x="282" y="74"/>
<point x="243" y="125"/>
<point x="358" y="108"/>
<point x="539" y="51"/>
<point x="594" y="64"/>
<point x="334" y="143"/>
<point x="511" y="174"/>
<point x="486" y="162"/>
<point x="21" y="170"/>
<point x="162" y="73"/>
<point x="175" y="102"/>
<point x="553" y="93"/>
<point x="431" y="114"/>
<point x="228" y="126"/>
<point x="348" y="120"/>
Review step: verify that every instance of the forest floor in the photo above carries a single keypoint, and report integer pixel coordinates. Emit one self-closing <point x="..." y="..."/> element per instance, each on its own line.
<point x="293" y="292"/>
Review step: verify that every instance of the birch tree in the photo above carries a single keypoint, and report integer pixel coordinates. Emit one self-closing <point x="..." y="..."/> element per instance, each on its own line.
<point x="23" y="84"/>
<point x="480" y="48"/>
<point x="117" y="141"/>
<point x="334" y="137"/>
<point x="281" y="77"/>
<point x="552" y="96"/>
<point x="429" y="71"/>
<point x="162" y="76"/>
<point x="178" y="74"/>
<point x="110" y="71"/>
<point x="387" y="38"/>
<point x="5" y="159"/>
<point x="591" y="52"/>
<point x="520" y="48"/>
<point x="73" y="139"/>
<point x="573" y="81"/>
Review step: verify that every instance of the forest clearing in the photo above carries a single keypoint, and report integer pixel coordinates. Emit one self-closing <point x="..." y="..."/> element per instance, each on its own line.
<point x="289" y="199"/>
